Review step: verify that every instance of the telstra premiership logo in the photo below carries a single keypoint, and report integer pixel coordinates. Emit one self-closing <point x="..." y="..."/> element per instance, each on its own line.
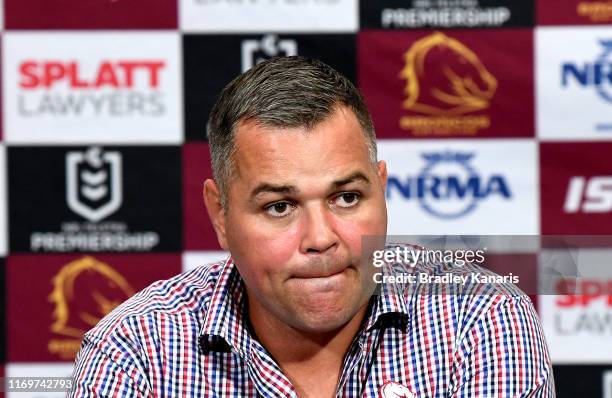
<point x="93" y="183"/>
<point x="445" y="81"/>
<point x="448" y="187"/>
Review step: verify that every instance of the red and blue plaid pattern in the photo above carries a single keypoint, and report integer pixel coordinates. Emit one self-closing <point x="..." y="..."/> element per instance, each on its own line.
<point x="187" y="337"/>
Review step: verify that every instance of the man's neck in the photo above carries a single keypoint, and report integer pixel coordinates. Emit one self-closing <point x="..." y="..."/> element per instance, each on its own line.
<point x="306" y="357"/>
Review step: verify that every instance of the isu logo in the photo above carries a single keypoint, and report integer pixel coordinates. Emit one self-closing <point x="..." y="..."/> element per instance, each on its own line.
<point x="93" y="183"/>
<point x="84" y="291"/>
<point x="445" y="80"/>
<point x="589" y="195"/>
<point x="256" y="51"/>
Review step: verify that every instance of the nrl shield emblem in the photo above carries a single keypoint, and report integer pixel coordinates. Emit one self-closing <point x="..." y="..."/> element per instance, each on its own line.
<point x="93" y="183"/>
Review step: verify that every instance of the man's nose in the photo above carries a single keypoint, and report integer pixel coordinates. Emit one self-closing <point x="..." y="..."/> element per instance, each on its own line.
<point x="318" y="233"/>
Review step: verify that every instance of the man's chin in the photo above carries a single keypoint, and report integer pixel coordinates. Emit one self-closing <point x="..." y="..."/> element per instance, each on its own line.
<point x="326" y="316"/>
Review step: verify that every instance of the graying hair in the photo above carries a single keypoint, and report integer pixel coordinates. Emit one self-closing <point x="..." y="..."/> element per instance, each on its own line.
<point x="285" y="92"/>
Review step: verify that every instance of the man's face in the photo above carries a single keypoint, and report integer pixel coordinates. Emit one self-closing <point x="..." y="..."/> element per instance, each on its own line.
<point x="298" y="205"/>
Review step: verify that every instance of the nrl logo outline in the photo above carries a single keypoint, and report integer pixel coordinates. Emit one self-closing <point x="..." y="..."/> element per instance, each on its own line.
<point x="94" y="184"/>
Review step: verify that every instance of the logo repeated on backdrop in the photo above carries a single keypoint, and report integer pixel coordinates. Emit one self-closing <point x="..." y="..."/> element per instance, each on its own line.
<point x="70" y="294"/>
<point x="574" y="77"/>
<point x="424" y="84"/>
<point x="90" y="14"/>
<point x="595" y="381"/>
<point x="89" y="88"/>
<point x="198" y="230"/>
<point x="577" y="313"/>
<point x="95" y="199"/>
<point x="574" y="12"/>
<point x="459" y="187"/>
<point x="414" y="14"/>
<point x="206" y="75"/>
<point x="268" y="15"/>
<point x="576" y="197"/>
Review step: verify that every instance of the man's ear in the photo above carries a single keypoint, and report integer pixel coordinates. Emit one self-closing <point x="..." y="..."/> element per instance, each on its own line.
<point x="382" y="174"/>
<point x="212" y="200"/>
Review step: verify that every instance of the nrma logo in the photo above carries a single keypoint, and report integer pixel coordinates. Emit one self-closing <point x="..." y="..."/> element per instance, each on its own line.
<point x="597" y="74"/>
<point x="448" y="187"/>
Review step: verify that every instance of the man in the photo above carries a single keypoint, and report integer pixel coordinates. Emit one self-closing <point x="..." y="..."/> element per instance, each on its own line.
<point x="292" y="312"/>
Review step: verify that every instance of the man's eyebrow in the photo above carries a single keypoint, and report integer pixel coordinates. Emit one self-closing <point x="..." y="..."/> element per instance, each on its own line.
<point x="266" y="187"/>
<point x="357" y="176"/>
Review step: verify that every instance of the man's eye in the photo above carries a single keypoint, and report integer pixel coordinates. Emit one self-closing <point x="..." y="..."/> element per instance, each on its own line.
<point x="347" y="199"/>
<point x="279" y="209"/>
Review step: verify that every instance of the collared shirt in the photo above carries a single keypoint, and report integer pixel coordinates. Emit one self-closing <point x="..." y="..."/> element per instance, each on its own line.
<point x="188" y="337"/>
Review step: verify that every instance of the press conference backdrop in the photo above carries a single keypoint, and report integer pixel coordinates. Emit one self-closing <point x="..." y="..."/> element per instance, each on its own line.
<point x="103" y="148"/>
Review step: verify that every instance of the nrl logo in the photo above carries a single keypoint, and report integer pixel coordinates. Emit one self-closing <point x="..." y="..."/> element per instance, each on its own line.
<point x="93" y="183"/>
<point x="256" y="51"/>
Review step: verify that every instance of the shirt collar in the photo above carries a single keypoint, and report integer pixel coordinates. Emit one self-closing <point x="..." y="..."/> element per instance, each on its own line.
<point x="226" y="319"/>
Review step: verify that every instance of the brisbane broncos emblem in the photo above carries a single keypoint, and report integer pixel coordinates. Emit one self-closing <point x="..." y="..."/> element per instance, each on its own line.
<point x="84" y="291"/>
<point x="445" y="80"/>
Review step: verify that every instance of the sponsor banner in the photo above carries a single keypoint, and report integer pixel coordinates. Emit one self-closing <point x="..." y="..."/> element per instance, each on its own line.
<point x="445" y="84"/>
<point x="439" y="14"/>
<point x="3" y="202"/>
<point x="577" y="196"/>
<point x="212" y="61"/>
<point x="268" y="15"/>
<point x="193" y="260"/>
<point x="95" y="199"/>
<point x="461" y="187"/>
<point x="90" y="14"/>
<point x="583" y="381"/>
<point x="198" y="230"/>
<point x="577" y="319"/>
<point x="97" y="87"/>
<point x="574" y="12"/>
<point x="49" y="314"/>
<point x="39" y="371"/>
<point x="574" y="83"/>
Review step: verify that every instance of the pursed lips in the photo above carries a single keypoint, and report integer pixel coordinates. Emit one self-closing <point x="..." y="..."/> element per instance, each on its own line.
<point x="318" y="269"/>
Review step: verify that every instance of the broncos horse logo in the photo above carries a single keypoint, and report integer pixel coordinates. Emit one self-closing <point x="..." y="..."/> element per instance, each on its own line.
<point x="84" y="291"/>
<point x="445" y="78"/>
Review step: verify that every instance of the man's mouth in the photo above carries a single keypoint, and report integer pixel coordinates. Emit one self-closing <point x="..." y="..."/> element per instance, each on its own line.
<point x="319" y="271"/>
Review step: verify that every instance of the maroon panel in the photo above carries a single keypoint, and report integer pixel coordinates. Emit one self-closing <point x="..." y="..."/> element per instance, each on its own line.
<point x="576" y="188"/>
<point x="573" y="12"/>
<point x="198" y="231"/>
<point x="90" y="14"/>
<point x="451" y="84"/>
<point x="54" y="299"/>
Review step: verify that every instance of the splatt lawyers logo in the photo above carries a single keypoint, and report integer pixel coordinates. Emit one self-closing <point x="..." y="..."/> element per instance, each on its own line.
<point x="93" y="183"/>
<point x="256" y="51"/>
<point x="86" y="88"/>
<point x="445" y="83"/>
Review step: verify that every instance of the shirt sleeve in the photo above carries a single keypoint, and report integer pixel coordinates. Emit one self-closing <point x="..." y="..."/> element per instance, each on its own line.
<point x="102" y="371"/>
<point x="504" y="354"/>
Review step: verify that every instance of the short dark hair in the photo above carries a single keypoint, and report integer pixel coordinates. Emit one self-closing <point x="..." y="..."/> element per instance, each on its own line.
<point x="284" y="92"/>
